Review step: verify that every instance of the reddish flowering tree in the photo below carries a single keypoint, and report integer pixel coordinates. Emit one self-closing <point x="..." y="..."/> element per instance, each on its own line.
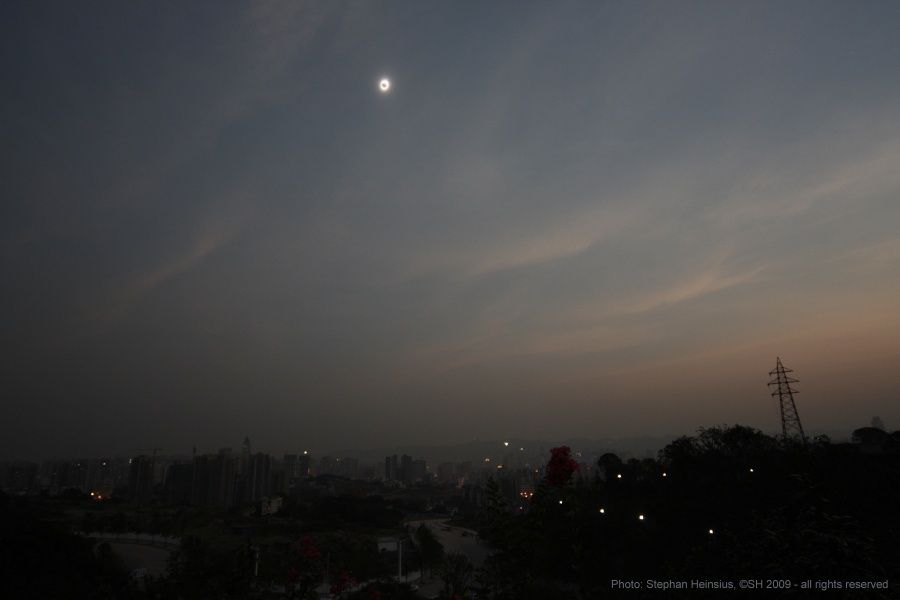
<point x="343" y="583"/>
<point x="561" y="466"/>
<point x="306" y="547"/>
<point x="293" y="574"/>
<point x="305" y="568"/>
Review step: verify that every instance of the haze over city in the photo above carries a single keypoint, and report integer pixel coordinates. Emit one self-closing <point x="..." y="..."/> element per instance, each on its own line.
<point x="559" y="221"/>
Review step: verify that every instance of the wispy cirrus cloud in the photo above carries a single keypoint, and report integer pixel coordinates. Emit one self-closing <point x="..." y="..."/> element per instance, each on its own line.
<point x="688" y="288"/>
<point x="569" y="236"/>
<point x="203" y="246"/>
<point x="121" y="299"/>
<point x="799" y="179"/>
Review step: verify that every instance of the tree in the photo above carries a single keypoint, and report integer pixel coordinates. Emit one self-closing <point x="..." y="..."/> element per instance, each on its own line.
<point x="608" y="465"/>
<point x="496" y="517"/>
<point x="561" y="466"/>
<point x="430" y="549"/>
<point x="456" y="573"/>
<point x="869" y="436"/>
<point x="718" y="445"/>
<point x="306" y="568"/>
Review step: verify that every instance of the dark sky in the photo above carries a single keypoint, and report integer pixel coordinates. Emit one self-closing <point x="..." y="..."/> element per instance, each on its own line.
<point x="565" y="219"/>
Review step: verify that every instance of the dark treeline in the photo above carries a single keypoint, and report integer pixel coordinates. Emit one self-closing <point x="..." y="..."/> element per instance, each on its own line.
<point x="727" y="504"/>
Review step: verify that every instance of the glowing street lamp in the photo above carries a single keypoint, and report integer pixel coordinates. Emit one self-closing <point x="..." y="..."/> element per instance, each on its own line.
<point x="602" y="511"/>
<point x="640" y="517"/>
<point x="711" y="532"/>
<point x="619" y="476"/>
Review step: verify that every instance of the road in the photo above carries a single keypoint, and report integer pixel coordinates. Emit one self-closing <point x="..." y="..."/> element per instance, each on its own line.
<point x="456" y="540"/>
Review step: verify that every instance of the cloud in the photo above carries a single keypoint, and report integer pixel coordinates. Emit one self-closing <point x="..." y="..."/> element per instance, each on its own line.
<point x="202" y="247"/>
<point x="118" y="303"/>
<point x="883" y="253"/>
<point x="704" y="283"/>
<point x="561" y="241"/>
<point x="799" y="179"/>
<point x="569" y="237"/>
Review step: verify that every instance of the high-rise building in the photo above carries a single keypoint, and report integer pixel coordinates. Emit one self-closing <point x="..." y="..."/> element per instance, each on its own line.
<point x="258" y="477"/>
<point x="446" y="473"/>
<point x="303" y="462"/>
<point x="214" y="478"/>
<point x="78" y="475"/>
<point x="289" y="463"/>
<point x="295" y="468"/>
<point x="347" y="467"/>
<point x="245" y="456"/>
<point x="54" y="475"/>
<point x="391" y="469"/>
<point x="418" y="471"/>
<point x="200" y="479"/>
<point x="140" y="479"/>
<point x="19" y="477"/>
<point x="406" y="468"/>
<point x="100" y="476"/>
<point x="178" y="483"/>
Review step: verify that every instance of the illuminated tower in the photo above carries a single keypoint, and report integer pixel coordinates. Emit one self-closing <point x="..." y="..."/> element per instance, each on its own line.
<point x="790" y="419"/>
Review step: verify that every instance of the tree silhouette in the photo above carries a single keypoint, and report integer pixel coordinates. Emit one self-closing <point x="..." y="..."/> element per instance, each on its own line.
<point x="430" y="549"/>
<point x="561" y="466"/>
<point x="456" y="573"/>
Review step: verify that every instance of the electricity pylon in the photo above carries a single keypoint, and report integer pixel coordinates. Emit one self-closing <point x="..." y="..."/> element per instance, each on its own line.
<point x="790" y="419"/>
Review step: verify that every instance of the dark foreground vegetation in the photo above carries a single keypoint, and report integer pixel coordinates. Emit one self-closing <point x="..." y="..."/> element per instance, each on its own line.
<point x="728" y="504"/>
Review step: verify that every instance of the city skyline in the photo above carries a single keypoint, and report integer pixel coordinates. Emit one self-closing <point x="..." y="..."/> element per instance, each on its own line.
<point x="598" y="220"/>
